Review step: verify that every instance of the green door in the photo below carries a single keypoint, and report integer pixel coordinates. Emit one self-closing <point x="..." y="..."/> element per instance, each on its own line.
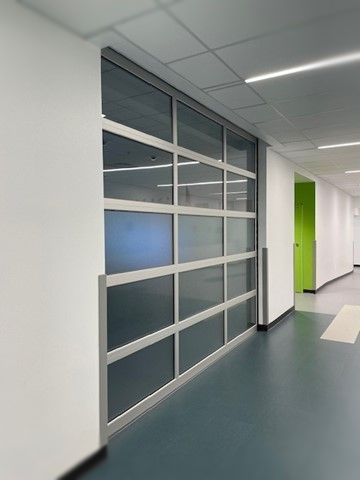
<point x="299" y="256"/>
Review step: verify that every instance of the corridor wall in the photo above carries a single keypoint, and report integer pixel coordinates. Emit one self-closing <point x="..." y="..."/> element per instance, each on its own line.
<point x="51" y="242"/>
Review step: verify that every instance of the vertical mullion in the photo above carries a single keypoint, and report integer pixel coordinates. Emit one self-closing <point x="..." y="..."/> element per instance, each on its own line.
<point x="225" y="235"/>
<point x="175" y="241"/>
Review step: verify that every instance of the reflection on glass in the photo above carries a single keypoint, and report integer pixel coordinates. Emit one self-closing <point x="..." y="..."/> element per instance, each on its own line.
<point x="134" y="240"/>
<point x="139" y="308"/>
<point x="241" y="277"/>
<point x="241" y="317"/>
<point x="200" y="290"/>
<point x="134" y="171"/>
<point x="200" y="340"/>
<point x="130" y="101"/>
<point x="133" y="378"/>
<point x="200" y="237"/>
<point x="240" y="152"/>
<point x="199" y="185"/>
<point x="240" y="195"/>
<point x="199" y="133"/>
<point x="240" y="235"/>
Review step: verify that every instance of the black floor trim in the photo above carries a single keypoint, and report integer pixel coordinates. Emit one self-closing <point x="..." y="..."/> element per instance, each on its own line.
<point x="330" y="281"/>
<point x="309" y="291"/>
<point x="85" y="466"/>
<point x="265" y="328"/>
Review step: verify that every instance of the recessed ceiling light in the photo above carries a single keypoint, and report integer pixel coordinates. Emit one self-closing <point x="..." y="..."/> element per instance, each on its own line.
<point x="352" y="171"/>
<point x="338" y="145"/>
<point x="329" y="62"/>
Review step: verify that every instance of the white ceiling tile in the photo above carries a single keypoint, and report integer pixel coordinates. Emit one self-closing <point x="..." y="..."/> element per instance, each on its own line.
<point x="299" y="45"/>
<point x="314" y="104"/>
<point x="297" y="146"/>
<point x="107" y="39"/>
<point x="204" y="70"/>
<point x="259" y="113"/>
<point x="236" y="96"/>
<point x="161" y="36"/>
<point x="219" y="23"/>
<point x="86" y="17"/>
<point x="328" y="119"/>
<point x="338" y="133"/>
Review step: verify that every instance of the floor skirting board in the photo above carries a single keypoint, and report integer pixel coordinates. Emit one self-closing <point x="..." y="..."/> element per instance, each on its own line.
<point x="85" y="466"/>
<point x="265" y="328"/>
<point x="330" y="281"/>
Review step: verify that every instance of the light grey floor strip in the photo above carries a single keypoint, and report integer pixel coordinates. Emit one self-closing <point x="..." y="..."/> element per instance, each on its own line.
<point x="346" y="325"/>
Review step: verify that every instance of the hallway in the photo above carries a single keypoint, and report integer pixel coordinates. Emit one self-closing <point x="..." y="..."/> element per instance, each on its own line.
<point x="283" y="405"/>
<point x="332" y="297"/>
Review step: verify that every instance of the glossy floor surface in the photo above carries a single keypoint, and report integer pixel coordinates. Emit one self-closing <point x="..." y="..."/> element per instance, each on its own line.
<point x="284" y="405"/>
<point x="330" y="299"/>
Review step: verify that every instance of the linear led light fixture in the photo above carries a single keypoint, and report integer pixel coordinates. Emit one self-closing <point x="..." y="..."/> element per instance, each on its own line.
<point x="352" y="171"/>
<point x="338" y="145"/>
<point x="147" y="167"/>
<point x="201" y="183"/>
<point x="329" y="62"/>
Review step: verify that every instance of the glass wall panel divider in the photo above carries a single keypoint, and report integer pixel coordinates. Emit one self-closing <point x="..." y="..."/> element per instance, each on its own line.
<point x="137" y="171"/>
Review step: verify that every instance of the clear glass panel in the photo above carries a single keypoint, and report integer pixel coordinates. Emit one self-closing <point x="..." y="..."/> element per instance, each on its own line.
<point x="240" y="193"/>
<point x="139" y="308"/>
<point x="200" y="237"/>
<point x="133" y="378"/>
<point x="134" y="171"/>
<point x="199" y="184"/>
<point x="241" y="317"/>
<point x="199" y="133"/>
<point x="240" y="152"/>
<point x="240" y="235"/>
<point x="241" y="277"/>
<point x="200" y="340"/>
<point x="130" y="101"/>
<point x="200" y="290"/>
<point x="134" y="241"/>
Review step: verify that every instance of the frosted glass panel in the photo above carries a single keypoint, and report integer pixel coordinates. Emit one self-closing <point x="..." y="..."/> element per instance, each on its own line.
<point x="200" y="237"/>
<point x="241" y="277"/>
<point x="240" y="193"/>
<point x="199" y="133"/>
<point x="199" y="185"/>
<point x="134" y="241"/>
<point x="134" y="171"/>
<point x="240" y="152"/>
<point x="240" y="235"/>
<point x="200" y="340"/>
<point x="133" y="378"/>
<point x="241" y="318"/>
<point x="128" y="100"/>
<point x="139" y="308"/>
<point x="200" y="290"/>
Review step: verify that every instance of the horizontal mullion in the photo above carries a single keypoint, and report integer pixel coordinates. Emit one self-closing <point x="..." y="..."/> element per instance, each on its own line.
<point x="132" y="134"/>
<point x="125" y="418"/>
<point x="240" y="171"/>
<point x="147" y="273"/>
<point x="143" y="342"/>
<point x="134" y="206"/>
<point x="139" y="344"/>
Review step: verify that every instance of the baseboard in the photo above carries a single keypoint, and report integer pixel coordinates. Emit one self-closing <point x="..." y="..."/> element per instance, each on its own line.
<point x="265" y="328"/>
<point x="309" y="291"/>
<point x="356" y="265"/>
<point x="333" y="280"/>
<point x="86" y="465"/>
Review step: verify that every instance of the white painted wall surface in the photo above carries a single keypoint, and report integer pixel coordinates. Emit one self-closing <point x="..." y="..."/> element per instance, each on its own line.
<point x="279" y="234"/>
<point x="357" y="240"/>
<point x="51" y="243"/>
<point x="334" y="231"/>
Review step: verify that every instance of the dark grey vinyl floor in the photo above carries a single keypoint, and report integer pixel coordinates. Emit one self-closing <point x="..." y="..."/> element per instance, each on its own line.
<point x="284" y="405"/>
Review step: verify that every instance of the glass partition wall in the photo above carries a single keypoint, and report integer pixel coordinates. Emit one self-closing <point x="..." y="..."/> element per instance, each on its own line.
<point x="180" y="237"/>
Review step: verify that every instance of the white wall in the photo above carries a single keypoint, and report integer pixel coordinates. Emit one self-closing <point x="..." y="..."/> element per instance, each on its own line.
<point x="51" y="244"/>
<point x="334" y="231"/>
<point x="279" y="234"/>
